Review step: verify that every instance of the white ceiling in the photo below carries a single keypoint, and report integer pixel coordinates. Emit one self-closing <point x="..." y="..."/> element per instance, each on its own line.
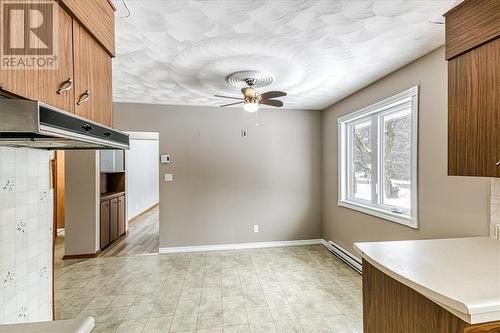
<point x="180" y="52"/>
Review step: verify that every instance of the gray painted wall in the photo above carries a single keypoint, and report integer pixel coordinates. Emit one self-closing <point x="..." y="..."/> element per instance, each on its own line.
<point x="448" y="206"/>
<point x="223" y="183"/>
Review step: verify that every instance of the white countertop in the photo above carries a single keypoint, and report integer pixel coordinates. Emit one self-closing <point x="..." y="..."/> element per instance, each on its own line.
<point x="80" y="325"/>
<point x="460" y="274"/>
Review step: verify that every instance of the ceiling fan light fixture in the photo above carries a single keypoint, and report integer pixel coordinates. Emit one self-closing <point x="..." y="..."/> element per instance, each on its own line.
<point x="251" y="106"/>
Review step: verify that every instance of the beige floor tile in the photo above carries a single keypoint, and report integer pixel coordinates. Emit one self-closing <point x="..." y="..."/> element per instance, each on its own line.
<point x="140" y="311"/>
<point x="210" y="304"/>
<point x="184" y="322"/>
<point x="163" y="310"/>
<point x="267" y="327"/>
<point x="158" y="325"/>
<point x="113" y="314"/>
<point x="233" y="302"/>
<point x="288" y="326"/>
<point x="237" y="329"/>
<point x="297" y="289"/>
<point x="234" y="317"/>
<point x="259" y="315"/>
<point x="282" y="313"/>
<point x="208" y="320"/>
<point x="131" y="326"/>
<point x="188" y="306"/>
<point x="106" y="327"/>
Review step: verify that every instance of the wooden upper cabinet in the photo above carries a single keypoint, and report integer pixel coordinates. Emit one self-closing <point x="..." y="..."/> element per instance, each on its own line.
<point x="473" y="45"/>
<point x="82" y="49"/>
<point x="92" y="66"/>
<point x="98" y="17"/>
<point x="102" y="101"/>
<point x="474" y="112"/>
<point x="44" y="84"/>
<point x="471" y="24"/>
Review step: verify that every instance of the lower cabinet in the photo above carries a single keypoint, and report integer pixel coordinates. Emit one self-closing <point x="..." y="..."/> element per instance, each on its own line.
<point x="104" y="224"/>
<point x="112" y="218"/>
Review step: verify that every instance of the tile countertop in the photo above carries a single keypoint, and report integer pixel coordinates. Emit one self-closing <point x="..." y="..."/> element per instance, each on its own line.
<point x="460" y="274"/>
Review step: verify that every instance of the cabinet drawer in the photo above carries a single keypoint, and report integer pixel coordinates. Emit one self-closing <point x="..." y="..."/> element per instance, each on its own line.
<point x="96" y="16"/>
<point x="470" y="24"/>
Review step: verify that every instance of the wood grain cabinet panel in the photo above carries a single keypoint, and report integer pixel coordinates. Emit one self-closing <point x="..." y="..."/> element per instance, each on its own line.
<point x="471" y="24"/>
<point x="104" y="223"/>
<point x="390" y="306"/>
<point x="121" y="216"/>
<point x="474" y="112"/>
<point x="98" y="17"/>
<point x="102" y="101"/>
<point x="113" y="220"/>
<point x="43" y="84"/>
<point x="93" y="87"/>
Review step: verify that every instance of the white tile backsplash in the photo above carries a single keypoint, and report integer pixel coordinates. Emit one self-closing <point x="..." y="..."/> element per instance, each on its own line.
<point x="495" y="208"/>
<point x="25" y="236"/>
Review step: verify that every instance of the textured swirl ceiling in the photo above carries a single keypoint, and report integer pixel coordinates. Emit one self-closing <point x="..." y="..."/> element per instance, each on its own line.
<point x="180" y="52"/>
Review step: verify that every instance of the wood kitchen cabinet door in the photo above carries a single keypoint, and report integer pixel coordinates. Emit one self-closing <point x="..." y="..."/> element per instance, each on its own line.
<point x="93" y="88"/>
<point x="105" y="214"/>
<point x="82" y="54"/>
<point x="101" y="103"/>
<point x="113" y="220"/>
<point x="46" y="84"/>
<point x="474" y="112"/>
<point x="121" y="215"/>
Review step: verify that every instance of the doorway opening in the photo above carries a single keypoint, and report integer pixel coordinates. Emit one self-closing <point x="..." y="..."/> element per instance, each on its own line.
<point x="142" y="197"/>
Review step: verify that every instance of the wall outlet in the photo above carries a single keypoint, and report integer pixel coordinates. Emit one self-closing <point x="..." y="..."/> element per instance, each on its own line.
<point x="169" y="177"/>
<point x="255" y="228"/>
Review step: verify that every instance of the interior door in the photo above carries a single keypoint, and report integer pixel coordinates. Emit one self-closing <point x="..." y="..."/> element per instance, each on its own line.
<point x="105" y="215"/>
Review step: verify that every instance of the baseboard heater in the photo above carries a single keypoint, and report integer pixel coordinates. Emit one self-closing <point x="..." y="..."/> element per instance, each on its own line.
<point x="344" y="255"/>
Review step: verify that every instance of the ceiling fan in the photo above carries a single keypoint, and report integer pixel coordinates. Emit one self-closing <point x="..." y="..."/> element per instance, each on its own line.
<point x="251" y="100"/>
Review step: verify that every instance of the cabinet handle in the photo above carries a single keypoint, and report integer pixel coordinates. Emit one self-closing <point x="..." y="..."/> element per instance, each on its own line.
<point x="65" y="86"/>
<point x="497" y="163"/>
<point x="83" y="97"/>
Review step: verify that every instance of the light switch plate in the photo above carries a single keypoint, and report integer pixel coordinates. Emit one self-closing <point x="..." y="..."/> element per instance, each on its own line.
<point x="169" y="177"/>
<point x="164" y="159"/>
<point x="255" y="228"/>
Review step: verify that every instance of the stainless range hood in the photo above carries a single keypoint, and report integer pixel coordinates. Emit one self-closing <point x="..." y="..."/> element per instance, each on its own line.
<point x="32" y="124"/>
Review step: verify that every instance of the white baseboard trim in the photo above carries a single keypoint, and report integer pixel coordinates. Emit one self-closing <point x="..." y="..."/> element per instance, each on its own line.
<point x="239" y="246"/>
<point x="344" y="255"/>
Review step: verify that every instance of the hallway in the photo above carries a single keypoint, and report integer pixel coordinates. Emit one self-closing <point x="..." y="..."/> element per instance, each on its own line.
<point x="142" y="237"/>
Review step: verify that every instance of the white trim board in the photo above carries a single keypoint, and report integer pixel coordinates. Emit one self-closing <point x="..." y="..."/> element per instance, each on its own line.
<point x="240" y="246"/>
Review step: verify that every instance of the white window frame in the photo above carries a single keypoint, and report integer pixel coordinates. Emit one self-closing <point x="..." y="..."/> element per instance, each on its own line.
<point x="344" y="124"/>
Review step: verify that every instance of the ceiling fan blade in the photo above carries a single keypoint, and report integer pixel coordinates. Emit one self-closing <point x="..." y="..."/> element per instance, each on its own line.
<point x="272" y="94"/>
<point x="231" y="104"/>
<point x="249" y="92"/>
<point x="221" y="96"/>
<point x="272" y="102"/>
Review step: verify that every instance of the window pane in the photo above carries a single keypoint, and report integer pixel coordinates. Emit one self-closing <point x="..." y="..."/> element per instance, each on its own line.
<point x="361" y="161"/>
<point x="397" y="160"/>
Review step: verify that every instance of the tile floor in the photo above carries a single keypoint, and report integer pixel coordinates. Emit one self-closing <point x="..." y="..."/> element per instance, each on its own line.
<point x="291" y="289"/>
